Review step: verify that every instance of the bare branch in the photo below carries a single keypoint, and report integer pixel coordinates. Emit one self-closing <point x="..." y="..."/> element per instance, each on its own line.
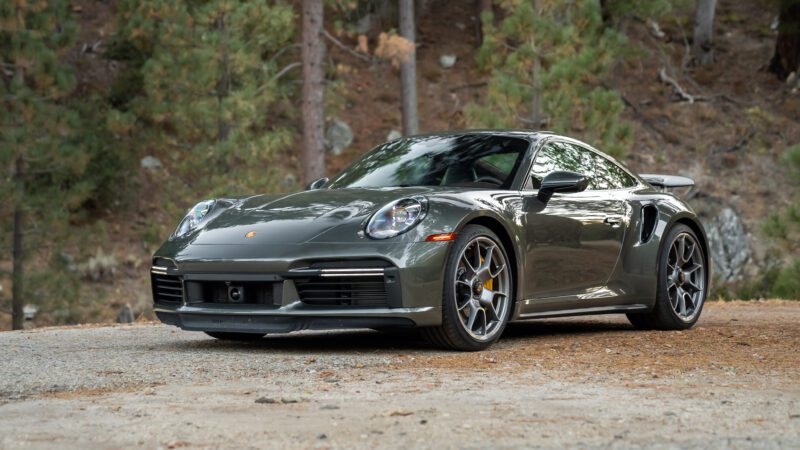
<point x="285" y="69"/>
<point x="338" y="43"/>
<point x="662" y="75"/>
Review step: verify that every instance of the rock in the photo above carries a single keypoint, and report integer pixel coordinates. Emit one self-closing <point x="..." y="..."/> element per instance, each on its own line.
<point x="655" y="29"/>
<point x="125" y="314"/>
<point x="150" y="163"/>
<point x="447" y="61"/>
<point x="338" y="137"/>
<point x="289" y="180"/>
<point x="394" y="134"/>
<point x="266" y="400"/>
<point x="69" y="261"/>
<point x="29" y="312"/>
<point x="728" y="244"/>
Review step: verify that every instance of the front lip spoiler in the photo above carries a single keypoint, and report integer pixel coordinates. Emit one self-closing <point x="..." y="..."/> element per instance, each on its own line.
<point x="295" y="310"/>
<point x="292" y="317"/>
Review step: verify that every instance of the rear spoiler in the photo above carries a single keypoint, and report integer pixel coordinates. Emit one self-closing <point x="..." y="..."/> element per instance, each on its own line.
<point x="667" y="181"/>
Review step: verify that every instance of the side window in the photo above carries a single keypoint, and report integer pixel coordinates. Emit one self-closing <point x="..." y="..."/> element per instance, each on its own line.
<point x="608" y="175"/>
<point x="555" y="156"/>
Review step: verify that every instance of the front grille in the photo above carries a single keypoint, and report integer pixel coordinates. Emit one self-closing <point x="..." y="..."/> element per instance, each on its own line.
<point x="220" y="292"/>
<point x="167" y="288"/>
<point x="343" y="291"/>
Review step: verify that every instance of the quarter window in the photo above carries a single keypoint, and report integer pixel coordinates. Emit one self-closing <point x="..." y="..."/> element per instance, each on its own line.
<point x="559" y="156"/>
<point x="556" y="156"/>
<point x="608" y="175"/>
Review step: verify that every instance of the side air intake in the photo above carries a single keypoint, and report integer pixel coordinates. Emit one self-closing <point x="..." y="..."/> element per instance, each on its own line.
<point x="649" y="220"/>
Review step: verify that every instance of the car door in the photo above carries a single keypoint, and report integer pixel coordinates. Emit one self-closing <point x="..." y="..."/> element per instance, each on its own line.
<point x="573" y="239"/>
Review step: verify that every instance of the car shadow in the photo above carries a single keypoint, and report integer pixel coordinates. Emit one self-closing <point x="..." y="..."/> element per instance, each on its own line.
<point x="361" y="341"/>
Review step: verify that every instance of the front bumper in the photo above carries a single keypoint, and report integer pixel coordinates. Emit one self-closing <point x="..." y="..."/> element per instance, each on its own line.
<point x="276" y="303"/>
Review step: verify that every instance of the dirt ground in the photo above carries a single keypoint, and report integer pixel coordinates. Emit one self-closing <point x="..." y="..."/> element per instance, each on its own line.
<point x="732" y="382"/>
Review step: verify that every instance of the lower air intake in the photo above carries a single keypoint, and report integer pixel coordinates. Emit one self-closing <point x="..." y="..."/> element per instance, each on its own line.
<point x="167" y="288"/>
<point x="365" y="291"/>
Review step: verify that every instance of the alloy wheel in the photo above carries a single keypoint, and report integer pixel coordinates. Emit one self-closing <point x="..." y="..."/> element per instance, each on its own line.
<point x="686" y="277"/>
<point x="482" y="288"/>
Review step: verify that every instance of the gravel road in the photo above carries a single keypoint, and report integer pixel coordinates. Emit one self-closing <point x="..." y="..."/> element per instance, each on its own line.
<point x="586" y="382"/>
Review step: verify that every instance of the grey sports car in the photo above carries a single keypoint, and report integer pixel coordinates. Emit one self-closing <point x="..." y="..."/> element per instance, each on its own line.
<point x="454" y="233"/>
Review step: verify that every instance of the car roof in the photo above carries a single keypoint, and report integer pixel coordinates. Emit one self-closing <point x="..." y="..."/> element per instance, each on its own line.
<point x="530" y="134"/>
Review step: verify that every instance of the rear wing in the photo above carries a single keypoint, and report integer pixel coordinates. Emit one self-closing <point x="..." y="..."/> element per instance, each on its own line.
<point x="667" y="181"/>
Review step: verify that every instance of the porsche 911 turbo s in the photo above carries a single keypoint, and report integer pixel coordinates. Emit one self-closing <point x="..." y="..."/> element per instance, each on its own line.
<point x="453" y="233"/>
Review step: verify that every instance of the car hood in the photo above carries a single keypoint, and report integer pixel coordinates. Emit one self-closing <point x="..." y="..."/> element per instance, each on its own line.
<point x="298" y="217"/>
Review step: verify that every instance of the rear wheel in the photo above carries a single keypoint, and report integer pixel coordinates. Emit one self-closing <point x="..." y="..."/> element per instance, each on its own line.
<point x="241" y="337"/>
<point x="477" y="299"/>
<point x="681" y="289"/>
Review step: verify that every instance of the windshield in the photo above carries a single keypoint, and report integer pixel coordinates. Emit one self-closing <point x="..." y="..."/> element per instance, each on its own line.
<point x="477" y="161"/>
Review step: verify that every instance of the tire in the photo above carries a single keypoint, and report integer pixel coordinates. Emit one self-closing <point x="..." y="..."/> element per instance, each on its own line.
<point x="239" y="337"/>
<point x="682" y="284"/>
<point x="470" y="296"/>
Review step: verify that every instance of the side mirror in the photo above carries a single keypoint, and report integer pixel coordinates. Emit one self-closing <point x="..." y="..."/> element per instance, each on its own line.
<point x="564" y="182"/>
<point x="316" y="184"/>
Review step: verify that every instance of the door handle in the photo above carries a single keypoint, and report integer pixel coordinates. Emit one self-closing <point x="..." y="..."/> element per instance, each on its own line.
<point x="613" y="221"/>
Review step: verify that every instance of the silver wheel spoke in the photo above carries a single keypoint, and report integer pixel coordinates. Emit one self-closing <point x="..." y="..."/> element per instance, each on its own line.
<point x="464" y="283"/>
<point x="498" y="272"/>
<point x="472" y="270"/>
<point x="483" y="271"/>
<point x="473" y="314"/>
<point x="682" y="302"/>
<point x="681" y="250"/>
<point x="691" y="247"/>
<point x="693" y="269"/>
<point x="477" y="256"/>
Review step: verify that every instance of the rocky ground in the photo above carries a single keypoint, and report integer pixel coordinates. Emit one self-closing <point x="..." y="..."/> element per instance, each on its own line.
<point x="586" y="382"/>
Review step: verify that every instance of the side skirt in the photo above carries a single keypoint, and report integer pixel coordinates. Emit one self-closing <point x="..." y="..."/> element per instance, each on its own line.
<point x="619" y="309"/>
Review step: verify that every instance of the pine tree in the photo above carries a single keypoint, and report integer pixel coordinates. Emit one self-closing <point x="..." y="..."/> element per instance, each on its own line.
<point x="784" y="228"/>
<point x="38" y="149"/>
<point x="210" y="77"/>
<point x="546" y="61"/>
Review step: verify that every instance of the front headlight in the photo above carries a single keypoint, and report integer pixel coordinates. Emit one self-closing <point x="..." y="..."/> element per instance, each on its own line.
<point x="396" y="217"/>
<point x="193" y="218"/>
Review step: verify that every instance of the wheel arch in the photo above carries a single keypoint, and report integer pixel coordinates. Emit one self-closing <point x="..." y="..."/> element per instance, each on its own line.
<point x="505" y="238"/>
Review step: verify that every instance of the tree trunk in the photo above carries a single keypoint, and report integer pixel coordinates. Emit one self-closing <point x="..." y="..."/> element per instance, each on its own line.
<point x="224" y="83"/>
<point x="787" y="47"/>
<point x="536" y="97"/>
<point x="408" y="70"/>
<point x="313" y="91"/>
<point x="605" y="12"/>
<point x="702" y="45"/>
<point x="17" y="277"/>
<point x="483" y="6"/>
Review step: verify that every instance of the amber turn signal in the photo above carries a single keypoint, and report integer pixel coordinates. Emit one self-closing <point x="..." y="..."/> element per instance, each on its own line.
<point x="441" y="237"/>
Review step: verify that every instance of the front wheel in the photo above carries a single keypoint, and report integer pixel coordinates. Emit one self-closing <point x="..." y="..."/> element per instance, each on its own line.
<point x="682" y="286"/>
<point x="478" y="286"/>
